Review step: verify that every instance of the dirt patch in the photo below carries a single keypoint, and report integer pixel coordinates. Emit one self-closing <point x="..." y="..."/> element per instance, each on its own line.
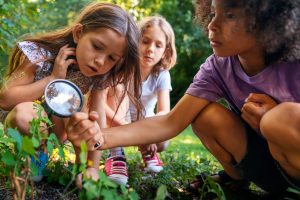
<point x="42" y="191"/>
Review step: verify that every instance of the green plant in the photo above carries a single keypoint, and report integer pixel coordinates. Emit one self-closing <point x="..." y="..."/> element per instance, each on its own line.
<point x="17" y="151"/>
<point x="103" y="188"/>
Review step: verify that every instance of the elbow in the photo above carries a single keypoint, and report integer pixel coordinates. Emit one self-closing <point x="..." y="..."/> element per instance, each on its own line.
<point x="4" y="103"/>
<point x="5" y="106"/>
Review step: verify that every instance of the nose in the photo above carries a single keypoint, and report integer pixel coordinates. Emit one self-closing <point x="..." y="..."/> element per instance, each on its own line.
<point x="150" y="48"/>
<point x="213" y="24"/>
<point x="99" y="60"/>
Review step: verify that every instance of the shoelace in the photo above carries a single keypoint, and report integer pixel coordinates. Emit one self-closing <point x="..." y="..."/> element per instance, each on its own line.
<point x="152" y="161"/>
<point x="118" y="166"/>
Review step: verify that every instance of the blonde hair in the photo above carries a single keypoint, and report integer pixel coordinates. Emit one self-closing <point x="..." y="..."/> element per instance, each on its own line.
<point x="169" y="60"/>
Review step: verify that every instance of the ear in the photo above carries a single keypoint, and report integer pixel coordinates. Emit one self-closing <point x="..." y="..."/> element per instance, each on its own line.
<point x="77" y="32"/>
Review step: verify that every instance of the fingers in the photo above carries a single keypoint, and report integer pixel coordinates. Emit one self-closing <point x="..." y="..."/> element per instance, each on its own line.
<point x="84" y="127"/>
<point x="62" y="61"/>
<point x="252" y="108"/>
<point x="148" y="149"/>
<point x="258" y="98"/>
<point x="153" y="150"/>
<point x="251" y="120"/>
<point x="93" y="115"/>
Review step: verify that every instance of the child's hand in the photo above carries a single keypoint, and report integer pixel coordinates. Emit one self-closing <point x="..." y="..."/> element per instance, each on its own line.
<point x="256" y="105"/>
<point x="148" y="149"/>
<point x="84" y="127"/>
<point x="62" y="62"/>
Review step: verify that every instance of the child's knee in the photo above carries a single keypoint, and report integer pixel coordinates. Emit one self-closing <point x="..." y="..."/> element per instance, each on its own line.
<point x="20" y="116"/>
<point x="280" y="119"/>
<point x="214" y="118"/>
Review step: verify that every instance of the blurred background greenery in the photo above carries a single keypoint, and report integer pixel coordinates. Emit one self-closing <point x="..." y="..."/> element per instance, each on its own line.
<point x="19" y="17"/>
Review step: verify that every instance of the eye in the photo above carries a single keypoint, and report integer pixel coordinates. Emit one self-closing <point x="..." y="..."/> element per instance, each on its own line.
<point x="145" y="41"/>
<point x="159" y="45"/>
<point x="97" y="47"/>
<point x="112" y="58"/>
<point x="230" y="15"/>
<point x="211" y="15"/>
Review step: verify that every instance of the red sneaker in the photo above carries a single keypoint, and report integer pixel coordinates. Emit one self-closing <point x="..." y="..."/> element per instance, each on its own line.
<point x="116" y="169"/>
<point x="152" y="164"/>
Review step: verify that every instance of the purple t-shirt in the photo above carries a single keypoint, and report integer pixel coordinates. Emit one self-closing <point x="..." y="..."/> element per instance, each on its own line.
<point x="223" y="77"/>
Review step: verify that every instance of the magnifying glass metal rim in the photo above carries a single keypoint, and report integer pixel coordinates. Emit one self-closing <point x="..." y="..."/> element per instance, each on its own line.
<point x="47" y="103"/>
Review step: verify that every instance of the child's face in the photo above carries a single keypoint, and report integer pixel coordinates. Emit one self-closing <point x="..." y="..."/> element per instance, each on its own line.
<point x="227" y="31"/>
<point x="98" y="51"/>
<point x="152" y="46"/>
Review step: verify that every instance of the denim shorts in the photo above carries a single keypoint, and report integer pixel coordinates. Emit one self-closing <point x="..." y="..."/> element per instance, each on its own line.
<point x="259" y="167"/>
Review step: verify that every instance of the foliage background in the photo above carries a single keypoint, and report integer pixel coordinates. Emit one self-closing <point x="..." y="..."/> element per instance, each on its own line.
<point x="19" y="17"/>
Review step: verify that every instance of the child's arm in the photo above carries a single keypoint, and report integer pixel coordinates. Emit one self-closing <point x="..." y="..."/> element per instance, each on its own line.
<point x="156" y="129"/>
<point x="153" y="129"/>
<point x="97" y="103"/>
<point x="116" y="106"/>
<point x="20" y="86"/>
<point x="163" y="102"/>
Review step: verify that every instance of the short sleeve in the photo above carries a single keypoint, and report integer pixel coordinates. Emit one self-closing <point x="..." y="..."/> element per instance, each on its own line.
<point x="204" y="84"/>
<point x="34" y="54"/>
<point x="37" y="56"/>
<point x="164" y="81"/>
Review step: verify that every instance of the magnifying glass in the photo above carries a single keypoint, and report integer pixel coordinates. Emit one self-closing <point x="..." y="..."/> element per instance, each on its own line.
<point x="62" y="98"/>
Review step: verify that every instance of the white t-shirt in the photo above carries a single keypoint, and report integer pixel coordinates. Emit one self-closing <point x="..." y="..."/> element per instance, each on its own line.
<point x="150" y="87"/>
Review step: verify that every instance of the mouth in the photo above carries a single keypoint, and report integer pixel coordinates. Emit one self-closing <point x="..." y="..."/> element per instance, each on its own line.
<point x="214" y="43"/>
<point x="93" y="69"/>
<point x="147" y="58"/>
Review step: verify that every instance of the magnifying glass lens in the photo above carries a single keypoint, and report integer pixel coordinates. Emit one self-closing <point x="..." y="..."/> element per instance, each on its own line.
<point x="62" y="98"/>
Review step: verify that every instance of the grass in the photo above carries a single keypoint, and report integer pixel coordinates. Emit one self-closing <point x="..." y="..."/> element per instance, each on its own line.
<point x="183" y="160"/>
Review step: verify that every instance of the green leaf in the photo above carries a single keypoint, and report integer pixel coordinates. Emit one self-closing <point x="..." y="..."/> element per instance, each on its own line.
<point x="27" y="146"/>
<point x="61" y="152"/>
<point x="8" y="158"/>
<point x="161" y="192"/>
<point x="35" y="142"/>
<point x="50" y="147"/>
<point x="7" y="140"/>
<point x="107" y="194"/>
<point x="16" y="136"/>
<point x="83" y="152"/>
<point x="34" y="169"/>
<point x="133" y="195"/>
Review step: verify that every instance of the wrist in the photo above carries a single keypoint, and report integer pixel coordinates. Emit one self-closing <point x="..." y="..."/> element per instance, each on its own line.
<point x="51" y="78"/>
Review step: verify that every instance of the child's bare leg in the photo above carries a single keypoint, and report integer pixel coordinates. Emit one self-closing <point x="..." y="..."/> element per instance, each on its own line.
<point x="281" y="128"/>
<point x="20" y="116"/>
<point x="223" y="134"/>
<point x="59" y="129"/>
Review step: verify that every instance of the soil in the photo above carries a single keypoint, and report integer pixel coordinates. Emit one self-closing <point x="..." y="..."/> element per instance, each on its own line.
<point x="42" y="191"/>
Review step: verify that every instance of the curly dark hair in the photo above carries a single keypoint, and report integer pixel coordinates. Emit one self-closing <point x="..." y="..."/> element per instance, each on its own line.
<point x="275" y="23"/>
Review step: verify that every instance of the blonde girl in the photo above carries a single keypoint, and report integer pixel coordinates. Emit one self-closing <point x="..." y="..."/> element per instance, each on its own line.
<point x="157" y="56"/>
